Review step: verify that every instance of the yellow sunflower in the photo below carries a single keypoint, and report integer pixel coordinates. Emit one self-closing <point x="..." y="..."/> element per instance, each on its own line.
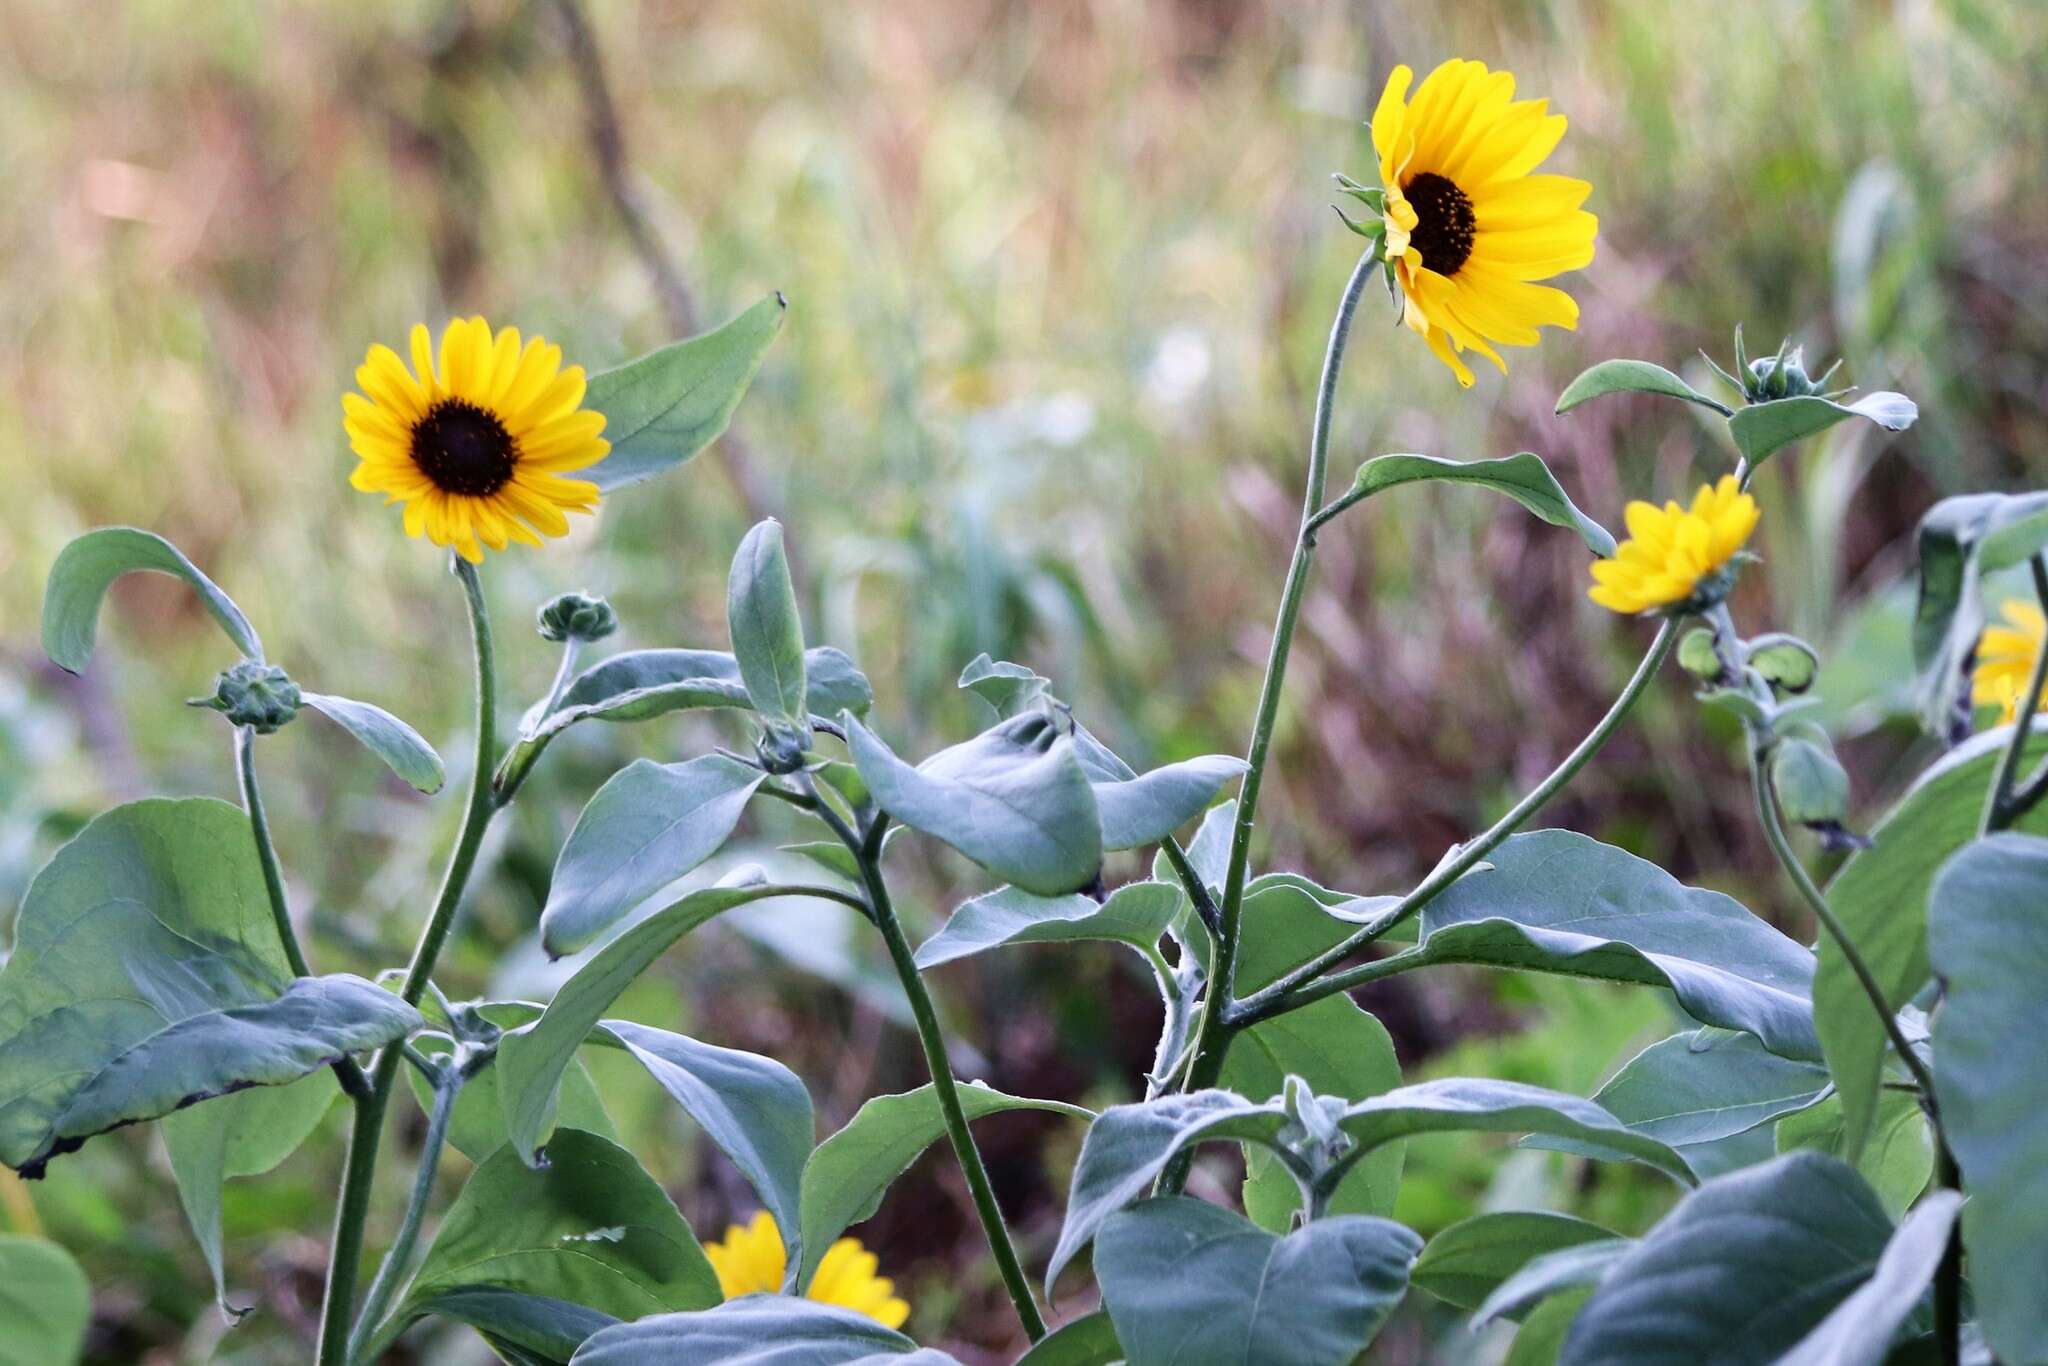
<point x="1672" y="551"/>
<point x="1468" y="227"/>
<point x="751" y="1261"/>
<point x="2005" y="660"/>
<point x="476" y="448"/>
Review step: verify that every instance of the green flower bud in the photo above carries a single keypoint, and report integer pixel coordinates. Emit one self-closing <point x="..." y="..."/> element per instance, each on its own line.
<point x="1782" y="376"/>
<point x="1786" y="662"/>
<point x="577" y="616"/>
<point x="1697" y="655"/>
<point x="254" y="694"/>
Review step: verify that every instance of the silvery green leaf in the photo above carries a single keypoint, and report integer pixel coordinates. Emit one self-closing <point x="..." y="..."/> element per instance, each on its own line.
<point x="1578" y="1266"/>
<point x="1472" y="1258"/>
<point x="1861" y="1329"/>
<point x="526" y="1330"/>
<point x="88" y="566"/>
<point x="1009" y="688"/>
<point x="669" y="404"/>
<point x="403" y="750"/>
<point x="1763" y="428"/>
<point x="1632" y="377"/>
<point x="1151" y="806"/>
<point x="1136" y="913"/>
<point x="767" y="635"/>
<point x="1960" y="538"/>
<point x="1522" y="476"/>
<point x="757" y="1330"/>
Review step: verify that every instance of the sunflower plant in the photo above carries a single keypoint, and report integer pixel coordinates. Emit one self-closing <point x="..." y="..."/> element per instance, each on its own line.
<point x="157" y="973"/>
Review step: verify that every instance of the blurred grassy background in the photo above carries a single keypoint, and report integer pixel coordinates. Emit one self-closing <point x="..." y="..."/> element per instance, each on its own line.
<point x="1060" y="277"/>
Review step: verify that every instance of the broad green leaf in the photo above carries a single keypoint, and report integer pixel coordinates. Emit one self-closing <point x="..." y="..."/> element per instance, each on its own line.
<point x="640" y="685"/>
<point x="1542" y="1334"/>
<point x="1960" y="538"/>
<point x="1151" y="806"/>
<point x="1580" y="1266"/>
<point x="1136" y="914"/>
<point x="147" y="975"/>
<point x="1860" y="1330"/>
<point x="647" y="826"/>
<point x="756" y="1330"/>
<point x="1632" y="377"/>
<point x="1881" y="898"/>
<point x="477" y="1128"/>
<point x="522" y="1329"/>
<point x="1334" y="1045"/>
<point x="1129" y="1145"/>
<point x="1706" y="1085"/>
<point x="1555" y="901"/>
<point x="1190" y="1283"/>
<point x="532" y="1057"/>
<point x="1988" y="936"/>
<point x="1763" y="428"/>
<point x="1088" y="1341"/>
<point x="1014" y="799"/>
<point x="1469" y="1260"/>
<point x="1008" y="688"/>
<point x="45" y="1303"/>
<point x="1897" y="1161"/>
<point x="767" y="635"/>
<point x="87" y="567"/>
<point x="244" y="1134"/>
<point x="755" y="1109"/>
<point x="402" y="748"/>
<point x="590" y="1228"/>
<point x="670" y="404"/>
<point x="1522" y="476"/>
<point x="846" y="1176"/>
<point x="1741" y="1270"/>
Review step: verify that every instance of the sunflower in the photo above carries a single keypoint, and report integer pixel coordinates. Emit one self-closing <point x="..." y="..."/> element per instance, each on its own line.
<point x="1468" y="227"/>
<point x="477" y="448"/>
<point x="1673" y="553"/>
<point x="751" y="1261"/>
<point x="2005" y="660"/>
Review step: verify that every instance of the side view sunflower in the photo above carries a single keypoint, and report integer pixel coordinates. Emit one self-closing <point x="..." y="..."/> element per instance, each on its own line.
<point x="1468" y="227"/>
<point x="751" y="1261"/>
<point x="2005" y="659"/>
<point x="475" y="447"/>
<point x="1675" y="555"/>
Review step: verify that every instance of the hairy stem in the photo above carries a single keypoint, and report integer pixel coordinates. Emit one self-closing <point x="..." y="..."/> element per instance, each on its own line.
<point x="1307" y="982"/>
<point x="398" y="1259"/>
<point x="353" y="1207"/>
<point x="347" y="1071"/>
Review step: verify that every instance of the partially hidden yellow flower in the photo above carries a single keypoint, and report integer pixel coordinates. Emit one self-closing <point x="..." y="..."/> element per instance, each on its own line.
<point x="475" y="447"/>
<point x="1468" y="226"/>
<point x="2005" y="660"/>
<point x="1672" y="551"/>
<point x="751" y="1260"/>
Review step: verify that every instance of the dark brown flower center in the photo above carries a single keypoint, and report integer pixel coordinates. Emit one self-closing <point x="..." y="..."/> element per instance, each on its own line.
<point x="464" y="449"/>
<point x="1443" y="222"/>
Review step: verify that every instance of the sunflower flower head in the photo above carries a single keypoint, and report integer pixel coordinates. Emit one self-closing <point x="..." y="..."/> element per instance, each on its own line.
<point x="750" y="1260"/>
<point x="2005" y="660"/>
<point x="1468" y="226"/>
<point x="1677" y="558"/>
<point x="475" y="439"/>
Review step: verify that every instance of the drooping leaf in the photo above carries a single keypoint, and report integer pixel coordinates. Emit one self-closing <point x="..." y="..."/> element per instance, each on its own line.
<point x="147" y="975"/>
<point x="1989" y="940"/>
<point x="531" y="1058"/>
<point x="1187" y="1282"/>
<point x="1014" y="799"/>
<point x="1136" y="913"/>
<point x="590" y="1228"/>
<point x="1881" y="897"/>
<point x="1555" y="901"/>
<point x="520" y="1328"/>
<point x="1898" y="1159"/>
<point x="846" y="1176"/>
<point x="1151" y="806"/>
<point x="647" y="826"/>
<point x="244" y="1134"/>
<point x="767" y="634"/>
<point x="402" y="748"/>
<point x="1860" y="1330"/>
<point x="757" y="1330"/>
<point x="670" y="404"/>
<point x="1741" y="1270"/>
<point x="1763" y="428"/>
<point x="1632" y="377"/>
<point x="1088" y="1341"/>
<point x="45" y="1303"/>
<point x="1522" y="476"/>
<point x="87" y="567"/>
<point x="1960" y="539"/>
<point x="1472" y="1258"/>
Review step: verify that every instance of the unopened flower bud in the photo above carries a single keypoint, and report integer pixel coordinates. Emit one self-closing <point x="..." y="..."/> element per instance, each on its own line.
<point x="254" y="694"/>
<point x="577" y="616"/>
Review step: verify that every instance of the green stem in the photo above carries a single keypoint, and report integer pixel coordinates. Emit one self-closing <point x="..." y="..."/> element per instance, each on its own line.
<point x="353" y="1207"/>
<point x="1307" y="982"/>
<point x="398" y="1259"/>
<point x="1204" y="904"/>
<point x="2002" y="809"/>
<point x="564" y="671"/>
<point x="347" y="1070"/>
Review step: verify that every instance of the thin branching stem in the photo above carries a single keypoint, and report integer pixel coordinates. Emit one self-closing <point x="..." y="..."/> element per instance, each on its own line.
<point x="398" y="1258"/>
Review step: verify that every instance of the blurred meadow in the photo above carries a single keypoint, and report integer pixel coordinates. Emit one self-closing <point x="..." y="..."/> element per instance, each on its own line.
<point x="1059" y="278"/>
